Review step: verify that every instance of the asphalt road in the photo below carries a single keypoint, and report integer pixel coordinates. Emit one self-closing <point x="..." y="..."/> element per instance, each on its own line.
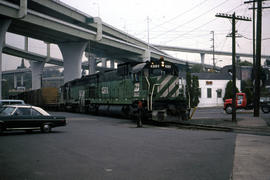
<point x="94" y="147"/>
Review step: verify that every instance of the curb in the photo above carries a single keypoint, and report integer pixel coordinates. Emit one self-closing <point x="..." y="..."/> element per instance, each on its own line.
<point x="237" y="129"/>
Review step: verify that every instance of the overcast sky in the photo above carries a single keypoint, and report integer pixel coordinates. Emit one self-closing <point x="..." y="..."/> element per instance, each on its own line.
<point x="173" y="22"/>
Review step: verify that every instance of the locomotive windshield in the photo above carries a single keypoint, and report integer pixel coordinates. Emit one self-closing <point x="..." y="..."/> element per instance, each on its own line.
<point x="156" y="68"/>
<point x="161" y="68"/>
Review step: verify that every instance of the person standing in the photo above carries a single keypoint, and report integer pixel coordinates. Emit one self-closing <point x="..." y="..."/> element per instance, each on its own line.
<point x="140" y="114"/>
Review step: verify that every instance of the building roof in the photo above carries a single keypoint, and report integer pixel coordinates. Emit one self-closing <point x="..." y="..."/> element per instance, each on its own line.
<point x="213" y="76"/>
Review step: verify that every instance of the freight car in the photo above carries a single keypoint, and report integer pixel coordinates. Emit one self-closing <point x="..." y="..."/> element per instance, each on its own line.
<point x="47" y="97"/>
<point x="154" y="85"/>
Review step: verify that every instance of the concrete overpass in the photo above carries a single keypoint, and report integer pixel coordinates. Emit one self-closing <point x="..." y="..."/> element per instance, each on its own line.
<point x="191" y="50"/>
<point x="25" y="54"/>
<point x="203" y="52"/>
<point x="55" y="22"/>
<point x="74" y="32"/>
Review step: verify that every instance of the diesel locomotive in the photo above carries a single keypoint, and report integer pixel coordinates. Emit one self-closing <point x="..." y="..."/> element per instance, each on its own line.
<point x="154" y="86"/>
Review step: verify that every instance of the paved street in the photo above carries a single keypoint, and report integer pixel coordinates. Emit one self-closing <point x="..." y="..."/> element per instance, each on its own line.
<point x="93" y="147"/>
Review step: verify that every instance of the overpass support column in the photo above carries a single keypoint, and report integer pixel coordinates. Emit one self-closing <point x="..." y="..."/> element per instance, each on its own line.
<point x="237" y="59"/>
<point x="22" y="79"/>
<point x="147" y="55"/>
<point x="4" y="24"/>
<point x="15" y="81"/>
<point x="202" y="60"/>
<point x="91" y="63"/>
<point x="104" y="62"/>
<point x="112" y="64"/>
<point x="37" y="69"/>
<point x="72" y="55"/>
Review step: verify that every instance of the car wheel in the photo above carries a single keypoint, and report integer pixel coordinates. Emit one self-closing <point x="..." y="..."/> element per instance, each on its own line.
<point x="46" y="128"/>
<point x="265" y="109"/>
<point x="228" y="109"/>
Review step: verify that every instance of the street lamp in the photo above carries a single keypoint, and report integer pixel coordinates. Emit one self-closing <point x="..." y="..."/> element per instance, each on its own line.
<point x="98" y="8"/>
<point x="218" y="60"/>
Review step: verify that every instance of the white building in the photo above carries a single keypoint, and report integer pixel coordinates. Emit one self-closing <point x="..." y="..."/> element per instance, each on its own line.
<point x="212" y="87"/>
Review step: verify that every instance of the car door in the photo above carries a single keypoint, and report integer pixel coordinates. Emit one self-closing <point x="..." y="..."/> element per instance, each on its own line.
<point x="6" y="116"/>
<point x="22" y="118"/>
<point x="38" y="118"/>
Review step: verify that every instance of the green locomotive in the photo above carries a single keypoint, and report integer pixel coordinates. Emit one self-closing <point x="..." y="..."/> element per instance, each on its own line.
<point x="154" y="85"/>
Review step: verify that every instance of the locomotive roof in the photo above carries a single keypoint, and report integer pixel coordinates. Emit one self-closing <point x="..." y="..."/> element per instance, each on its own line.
<point x="138" y="67"/>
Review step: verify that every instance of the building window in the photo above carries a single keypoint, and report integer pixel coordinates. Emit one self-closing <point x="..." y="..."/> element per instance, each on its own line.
<point x="219" y="93"/>
<point x="200" y="92"/>
<point x="209" y="92"/>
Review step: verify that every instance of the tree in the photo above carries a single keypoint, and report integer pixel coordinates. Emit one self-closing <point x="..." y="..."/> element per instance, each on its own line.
<point x="188" y="87"/>
<point x="192" y="90"/>
<point x="245" y="63"/>
<point x="228" y="91"/>
<point x="248" y="90"/>
<point x="196" y="68"/>
<point x="195" y="91"/>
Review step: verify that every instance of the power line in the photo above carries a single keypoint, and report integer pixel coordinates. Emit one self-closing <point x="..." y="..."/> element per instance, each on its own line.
<point x="252" y="39"/>
<point x="179" y="15"/>
<point x="189" y="21"/>
<point x="202" y="24"/>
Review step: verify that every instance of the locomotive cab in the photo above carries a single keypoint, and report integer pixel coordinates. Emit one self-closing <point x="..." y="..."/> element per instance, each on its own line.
<point x="159" y="84"/>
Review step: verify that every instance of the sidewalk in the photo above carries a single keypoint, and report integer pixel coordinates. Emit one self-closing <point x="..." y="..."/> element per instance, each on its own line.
<point x="251" y="158"/>
<point x="252" y="155"/>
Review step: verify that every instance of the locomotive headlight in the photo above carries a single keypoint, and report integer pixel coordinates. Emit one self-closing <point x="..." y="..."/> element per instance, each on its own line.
<point x="162" y="64"/>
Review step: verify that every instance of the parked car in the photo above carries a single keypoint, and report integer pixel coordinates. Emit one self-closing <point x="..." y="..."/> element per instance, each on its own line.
<point x="241" y="103"/>
<point x="265" y="106"/>
<point x="11" y="102"/>
<point x="28" y="118"/>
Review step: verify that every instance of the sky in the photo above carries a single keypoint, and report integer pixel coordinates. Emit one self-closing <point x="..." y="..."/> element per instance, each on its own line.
<point x="173" y="23"/>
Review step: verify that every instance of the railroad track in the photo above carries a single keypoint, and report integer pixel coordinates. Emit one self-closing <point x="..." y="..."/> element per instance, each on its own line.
<point x="242" y="130"/>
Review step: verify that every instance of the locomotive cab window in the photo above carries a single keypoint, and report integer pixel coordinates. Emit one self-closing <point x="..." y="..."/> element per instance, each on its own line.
<point x="156" y="72"/>
<point x="146" y="72"/>
<point x="136" y="77"/>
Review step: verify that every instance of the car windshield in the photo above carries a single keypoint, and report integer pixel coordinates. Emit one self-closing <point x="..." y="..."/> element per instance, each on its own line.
<point x="6" y="111"/>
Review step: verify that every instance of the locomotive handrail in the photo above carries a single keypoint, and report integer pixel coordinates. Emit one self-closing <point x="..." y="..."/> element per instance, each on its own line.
<point x="151" y="97"/>
<point x="148" y="83"/>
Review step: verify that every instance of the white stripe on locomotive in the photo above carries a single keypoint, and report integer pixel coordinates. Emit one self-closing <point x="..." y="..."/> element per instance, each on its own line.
<point x="170" y="88"/>
<point x="164" y="82"/>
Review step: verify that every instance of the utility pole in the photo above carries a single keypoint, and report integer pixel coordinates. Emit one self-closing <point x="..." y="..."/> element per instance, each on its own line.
<point x="254" y="38"/>
<point x="148" y="21"/>
<point x="258" y="60"/>
<point x="254" y="56"/>
<point x="257" y="66"/>
<point x="213" y="47"/>
<point x="234" y="18"/>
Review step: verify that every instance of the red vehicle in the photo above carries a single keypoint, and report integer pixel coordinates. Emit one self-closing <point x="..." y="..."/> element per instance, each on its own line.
<point x="241" y="103"/>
